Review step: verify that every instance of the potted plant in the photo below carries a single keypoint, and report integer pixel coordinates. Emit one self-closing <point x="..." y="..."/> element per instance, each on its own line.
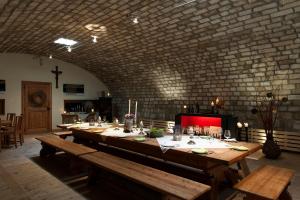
<point x="267" y="109"/>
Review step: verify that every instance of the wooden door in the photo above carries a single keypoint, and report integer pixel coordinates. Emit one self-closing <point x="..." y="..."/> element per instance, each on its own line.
<point x="37" y="106"/>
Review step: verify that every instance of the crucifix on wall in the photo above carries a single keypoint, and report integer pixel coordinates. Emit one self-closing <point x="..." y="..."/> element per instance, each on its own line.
<point x="57" y="73"/>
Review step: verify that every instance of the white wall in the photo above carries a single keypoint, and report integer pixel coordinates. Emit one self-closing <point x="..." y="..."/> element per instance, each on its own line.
<point x="15" y="68"/>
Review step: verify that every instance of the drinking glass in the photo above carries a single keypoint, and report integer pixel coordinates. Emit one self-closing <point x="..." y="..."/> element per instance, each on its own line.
<point x="99" y="121"/>
<point x="104" y="118"/>
<point x="92" y="122"/>
<point x="190" y="132"/>
<point x="116" y="122"/>
<point x="177" y="134"/>
<point x="141" y="124"/>
<point x="227" y="134"/>
<point x="206" y="130"/>
<point x="197" y="130"/>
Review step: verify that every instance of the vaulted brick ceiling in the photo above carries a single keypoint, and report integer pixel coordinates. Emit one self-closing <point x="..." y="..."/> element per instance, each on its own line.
<point x="193" y="52"/>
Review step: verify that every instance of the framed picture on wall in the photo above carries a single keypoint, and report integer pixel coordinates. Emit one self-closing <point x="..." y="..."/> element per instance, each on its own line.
<point x="77" y="89"/>
<point x="2" y="86"/>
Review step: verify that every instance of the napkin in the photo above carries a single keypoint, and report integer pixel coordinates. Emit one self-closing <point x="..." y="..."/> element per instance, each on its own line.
<point x="240" y="148"/>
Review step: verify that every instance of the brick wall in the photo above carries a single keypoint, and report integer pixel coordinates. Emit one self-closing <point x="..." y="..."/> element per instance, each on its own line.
<point x="175" y="55"/>
<point x="233" y="50"/>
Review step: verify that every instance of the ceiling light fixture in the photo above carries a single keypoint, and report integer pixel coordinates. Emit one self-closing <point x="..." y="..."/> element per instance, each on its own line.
<point x="95" y="27"/>
<point x="50" y="56"/>
<point x="94" y="38"/>
<point x="69" y="48"/>
<point x="65" y="41"/>
<point x="135" y="20"/>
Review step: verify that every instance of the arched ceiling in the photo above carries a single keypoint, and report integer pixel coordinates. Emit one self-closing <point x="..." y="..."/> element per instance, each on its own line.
<point x="173" y="39"/>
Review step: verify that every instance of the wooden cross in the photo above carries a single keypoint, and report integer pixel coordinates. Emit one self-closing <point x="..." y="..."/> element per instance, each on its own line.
<point x="57" y="73"/>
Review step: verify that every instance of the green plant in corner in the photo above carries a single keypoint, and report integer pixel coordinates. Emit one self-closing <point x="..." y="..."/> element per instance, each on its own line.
<point x="267" y="110"/>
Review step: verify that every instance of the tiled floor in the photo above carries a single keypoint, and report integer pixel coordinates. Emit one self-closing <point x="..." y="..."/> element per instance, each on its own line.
<point x="23" y="175"/>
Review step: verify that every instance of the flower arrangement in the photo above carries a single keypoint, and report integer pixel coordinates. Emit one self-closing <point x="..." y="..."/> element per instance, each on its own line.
<point x="267" y="109"/>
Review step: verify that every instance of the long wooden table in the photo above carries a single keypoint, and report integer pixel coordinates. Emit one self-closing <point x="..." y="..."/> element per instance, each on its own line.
<point x="212" y="163"/>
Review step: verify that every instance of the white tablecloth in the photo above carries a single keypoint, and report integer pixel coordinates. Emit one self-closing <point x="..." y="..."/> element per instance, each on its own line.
<point x="120" y="133"/>
<point x="168" y="142"/>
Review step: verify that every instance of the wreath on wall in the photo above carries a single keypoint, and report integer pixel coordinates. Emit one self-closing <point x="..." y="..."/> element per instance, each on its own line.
<point x="37" y="99"/>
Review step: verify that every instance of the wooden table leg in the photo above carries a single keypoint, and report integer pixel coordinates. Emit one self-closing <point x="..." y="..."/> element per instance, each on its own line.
<point x="242" y="164"/>
<point x="47" y="150"/>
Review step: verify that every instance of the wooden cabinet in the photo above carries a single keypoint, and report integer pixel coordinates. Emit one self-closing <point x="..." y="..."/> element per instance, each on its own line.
<point x="68" y="118"/>
<point x="102" y="106"/>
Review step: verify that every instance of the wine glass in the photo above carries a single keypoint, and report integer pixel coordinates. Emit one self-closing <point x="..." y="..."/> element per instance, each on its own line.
<point x="141" y="128"/>
<point x="227" y="134"/>
<point x="190" y="132"/>
<point x="197" y="129"/>
<point x="116" y="122"/>
<point x="99" y="121"/>
<point x="104" y="118"/>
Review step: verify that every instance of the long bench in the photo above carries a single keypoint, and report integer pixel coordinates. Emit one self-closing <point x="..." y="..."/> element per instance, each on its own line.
<point x="172" y="186"/>
<point x="50" y="145"/>
<point x="266" y="183"/>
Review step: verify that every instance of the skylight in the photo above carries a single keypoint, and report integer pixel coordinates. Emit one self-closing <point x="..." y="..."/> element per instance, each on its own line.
<point x="65" y="41"/>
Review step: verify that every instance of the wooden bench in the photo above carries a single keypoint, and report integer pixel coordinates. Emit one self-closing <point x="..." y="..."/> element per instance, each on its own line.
<point x="267" y="182"/>
<point x="50" y="144"/>
<point x="171" y="186"/>
<point x="63" y="134"/>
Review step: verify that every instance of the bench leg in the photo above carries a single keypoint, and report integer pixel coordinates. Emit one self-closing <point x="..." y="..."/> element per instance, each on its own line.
<point x="47" y="150"/>
<point x="92" y="175"/>
<point x="285" y="195"/>
<point x="63" y="137"/>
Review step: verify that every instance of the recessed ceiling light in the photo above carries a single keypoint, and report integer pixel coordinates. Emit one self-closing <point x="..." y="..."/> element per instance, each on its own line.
<point x="65" y="41"/>
<point x="135" y="20"/>
<point x="94" y="38"/>
<point x="50" y="56"/>
<point x="95" y="27"/>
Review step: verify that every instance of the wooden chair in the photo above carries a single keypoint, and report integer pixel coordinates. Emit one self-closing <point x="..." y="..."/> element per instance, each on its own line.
<point x="16" y="131"/>
<point x="11" y="117"/>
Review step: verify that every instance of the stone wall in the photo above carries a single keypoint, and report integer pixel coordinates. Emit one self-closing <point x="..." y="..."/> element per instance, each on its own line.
<point x="177" y="54"/>
<point x="234" y="50"/>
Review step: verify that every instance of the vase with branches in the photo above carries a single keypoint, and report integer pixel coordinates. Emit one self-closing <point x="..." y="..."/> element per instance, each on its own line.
<point x="267" y="110"/>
